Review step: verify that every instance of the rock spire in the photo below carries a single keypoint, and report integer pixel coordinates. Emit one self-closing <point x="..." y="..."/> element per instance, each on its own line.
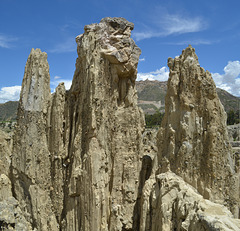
<point x="193" y="137"/>
<point x="31" y="162"/>
<point x="103" y="130"/>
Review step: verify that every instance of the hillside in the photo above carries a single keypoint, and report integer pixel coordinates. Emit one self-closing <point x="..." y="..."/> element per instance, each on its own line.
<point x="229" y="101"/>
<point x="151" y="96"/>
<point x="8" y="111"/>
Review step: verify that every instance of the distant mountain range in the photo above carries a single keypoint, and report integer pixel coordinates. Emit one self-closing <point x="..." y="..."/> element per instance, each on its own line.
<point x="151" y="97"/>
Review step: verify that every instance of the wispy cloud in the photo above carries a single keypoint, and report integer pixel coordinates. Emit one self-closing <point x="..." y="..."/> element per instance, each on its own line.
<point x="230" y="80"/>
<point x="68" y="45"/>
<point x="160" y="75"/>
<point x="6" y="41"/>
<point x="192" y="42"/>
<point x="10" y="93"/>
<point x="177" y="24"/>
<point x="168" y="24"/>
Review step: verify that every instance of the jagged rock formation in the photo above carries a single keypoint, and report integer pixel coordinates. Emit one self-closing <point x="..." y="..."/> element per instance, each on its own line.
<point x="82" y="161"/>
<point x="194" y="136"/>
<point x="77" y="155"/>
<point x="192" y="142"/>
<point x="175" y="205"/>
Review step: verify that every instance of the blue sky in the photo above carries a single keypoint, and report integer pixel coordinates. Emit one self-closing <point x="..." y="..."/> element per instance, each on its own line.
<point x="163" y="29"/>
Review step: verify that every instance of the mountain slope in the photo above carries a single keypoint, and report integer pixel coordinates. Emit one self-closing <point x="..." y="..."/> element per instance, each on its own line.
<point x="151" y="96"/>
<point x="8" y="111"/>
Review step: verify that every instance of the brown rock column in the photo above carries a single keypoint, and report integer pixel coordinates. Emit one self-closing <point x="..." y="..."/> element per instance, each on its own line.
<point x="103" y="130"/>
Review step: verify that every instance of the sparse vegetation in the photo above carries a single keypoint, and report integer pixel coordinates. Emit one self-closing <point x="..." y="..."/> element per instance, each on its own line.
<point x="154" y="120"/>
<point x="233" y="117"/>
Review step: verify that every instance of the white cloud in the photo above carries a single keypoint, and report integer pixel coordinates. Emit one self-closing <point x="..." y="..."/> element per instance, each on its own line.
<point x="161" y="74"/>
<point x="142" y="60"/>
<point x="10" y="93"/>
<point x="230" y="80"/>
<point x="5" y="41"/>
<point x="169" y="24"/>
<point x="69" y="45"/>
<point x="13" y="93"/>
<point x="57" y="77"/>
<point x="57" y="80"/>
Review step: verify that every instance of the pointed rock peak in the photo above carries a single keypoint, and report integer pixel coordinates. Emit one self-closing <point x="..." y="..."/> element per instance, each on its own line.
<point x="114" y="24"/>
<point x="38" y="53"/>
<point x="189" y="53"/>
<point x="188" y="56"/>
<point x="118" y="23"/>
<point x="35" y="51"/>
<point x="195" y="127"/>
<point x="35" y="91"/>
<point x="111" y="38"/>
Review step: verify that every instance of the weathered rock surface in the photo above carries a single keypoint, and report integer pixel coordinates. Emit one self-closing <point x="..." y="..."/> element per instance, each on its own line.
<point x="178" y="206"/>
<point x="31" y="162"/>
<point x="77" y="155"/>
<point x="194" y="136"/>
<point x="103" y="130"/>
<point x="11" y="216"/>
<point x="5" y="152"/>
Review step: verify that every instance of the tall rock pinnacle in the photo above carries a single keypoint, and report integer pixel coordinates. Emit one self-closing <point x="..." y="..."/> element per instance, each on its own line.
<point x="193" y="136"/>
<point x="31" y="164"/>
<point x="103" y="130"/>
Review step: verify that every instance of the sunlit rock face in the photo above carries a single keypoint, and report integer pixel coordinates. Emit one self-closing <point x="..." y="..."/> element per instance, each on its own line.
<point x="193" y="137"/>
<point x="31" y="159"/>
<point x="103" y="130"/>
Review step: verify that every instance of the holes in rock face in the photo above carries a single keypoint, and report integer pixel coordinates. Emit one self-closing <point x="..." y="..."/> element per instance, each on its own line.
<point x="5" y="226"/>
<point x="114" y="25"/>
<point x="147" y="166"/>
